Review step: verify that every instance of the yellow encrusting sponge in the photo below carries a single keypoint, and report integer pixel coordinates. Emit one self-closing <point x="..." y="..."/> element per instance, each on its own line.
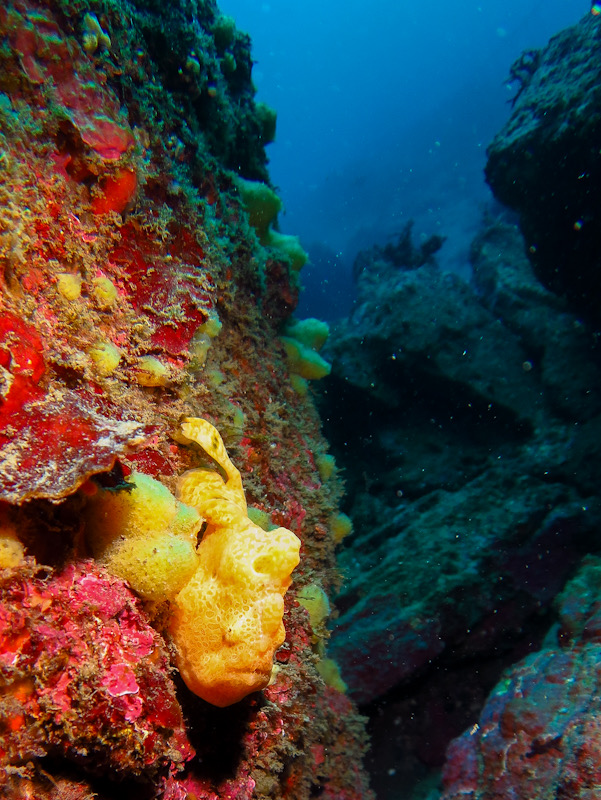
<point x="144" y="535"/>
<point x="302" y="339"/>
<point x="12" y="552"/>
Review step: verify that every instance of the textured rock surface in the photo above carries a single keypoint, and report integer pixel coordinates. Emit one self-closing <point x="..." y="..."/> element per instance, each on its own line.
<point x="84" y="676"/>
<point x="545" y="165"/>
<point x="134" y="293"/>
<point x="471" y="480"/>
<point x="538" y="735"/>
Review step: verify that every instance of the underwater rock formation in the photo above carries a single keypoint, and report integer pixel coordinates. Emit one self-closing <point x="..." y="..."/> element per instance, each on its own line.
<point x="471" y="483"/>
<point x="84" y="676"/>
<point x="538" y="735"/>
<point x="135" y="293"/>
<point x="544" y="163"/>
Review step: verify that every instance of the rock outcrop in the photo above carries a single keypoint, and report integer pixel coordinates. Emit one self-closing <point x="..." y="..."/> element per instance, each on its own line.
<point x="471" y="479"/>
<point x="545" y="164"/>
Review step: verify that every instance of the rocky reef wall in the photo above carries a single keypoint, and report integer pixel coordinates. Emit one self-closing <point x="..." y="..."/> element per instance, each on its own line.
<point x="135" y="293"/>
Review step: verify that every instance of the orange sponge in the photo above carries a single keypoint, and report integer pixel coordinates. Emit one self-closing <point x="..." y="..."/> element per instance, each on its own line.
<point x="117" y="192"/>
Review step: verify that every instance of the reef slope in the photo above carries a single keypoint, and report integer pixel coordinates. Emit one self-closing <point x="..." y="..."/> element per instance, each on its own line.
<point x="135" y="293"/>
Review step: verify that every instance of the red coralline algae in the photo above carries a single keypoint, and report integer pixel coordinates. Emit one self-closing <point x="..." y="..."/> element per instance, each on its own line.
<point x="83" y="675"/>
<point x="41" y="444"/>
<point x="241" y="788"/>
<point x="176" y="297"/>
<point x="48" y="58"/>
<point x="21" y="362"/>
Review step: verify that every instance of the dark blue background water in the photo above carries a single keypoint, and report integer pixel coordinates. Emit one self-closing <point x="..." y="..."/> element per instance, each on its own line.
<point x="385" y="109"/>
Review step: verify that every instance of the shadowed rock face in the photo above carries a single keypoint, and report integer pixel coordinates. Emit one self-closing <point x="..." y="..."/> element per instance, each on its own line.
<point x="464" y="398"/>
<point x="467" y="418"/>
<point x="546" y="163"/>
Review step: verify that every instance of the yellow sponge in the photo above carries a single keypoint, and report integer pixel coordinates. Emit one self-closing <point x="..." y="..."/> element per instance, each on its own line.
<point x="341" y="525"/>
<point x="262" y="204"/>
<point x="330" y="673"/>
<point x="144" y="535"/>
<point x="302" y="339"/>
<point x="12" y="552"/>
<point x="304" y="361"/>
<point x="288" y="246"/>
<point x="311" y="332"/>
<point x="315" y="600"/>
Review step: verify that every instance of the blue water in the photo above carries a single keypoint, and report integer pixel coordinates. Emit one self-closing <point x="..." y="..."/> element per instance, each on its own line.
<point x="385" y="110"/>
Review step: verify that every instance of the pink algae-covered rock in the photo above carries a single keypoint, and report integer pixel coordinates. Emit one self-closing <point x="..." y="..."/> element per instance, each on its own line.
<point x="539" y="735"/>
<point x="48" y="56"/>
<point x="152" y="240"/>
<point x="83" y="676"/>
